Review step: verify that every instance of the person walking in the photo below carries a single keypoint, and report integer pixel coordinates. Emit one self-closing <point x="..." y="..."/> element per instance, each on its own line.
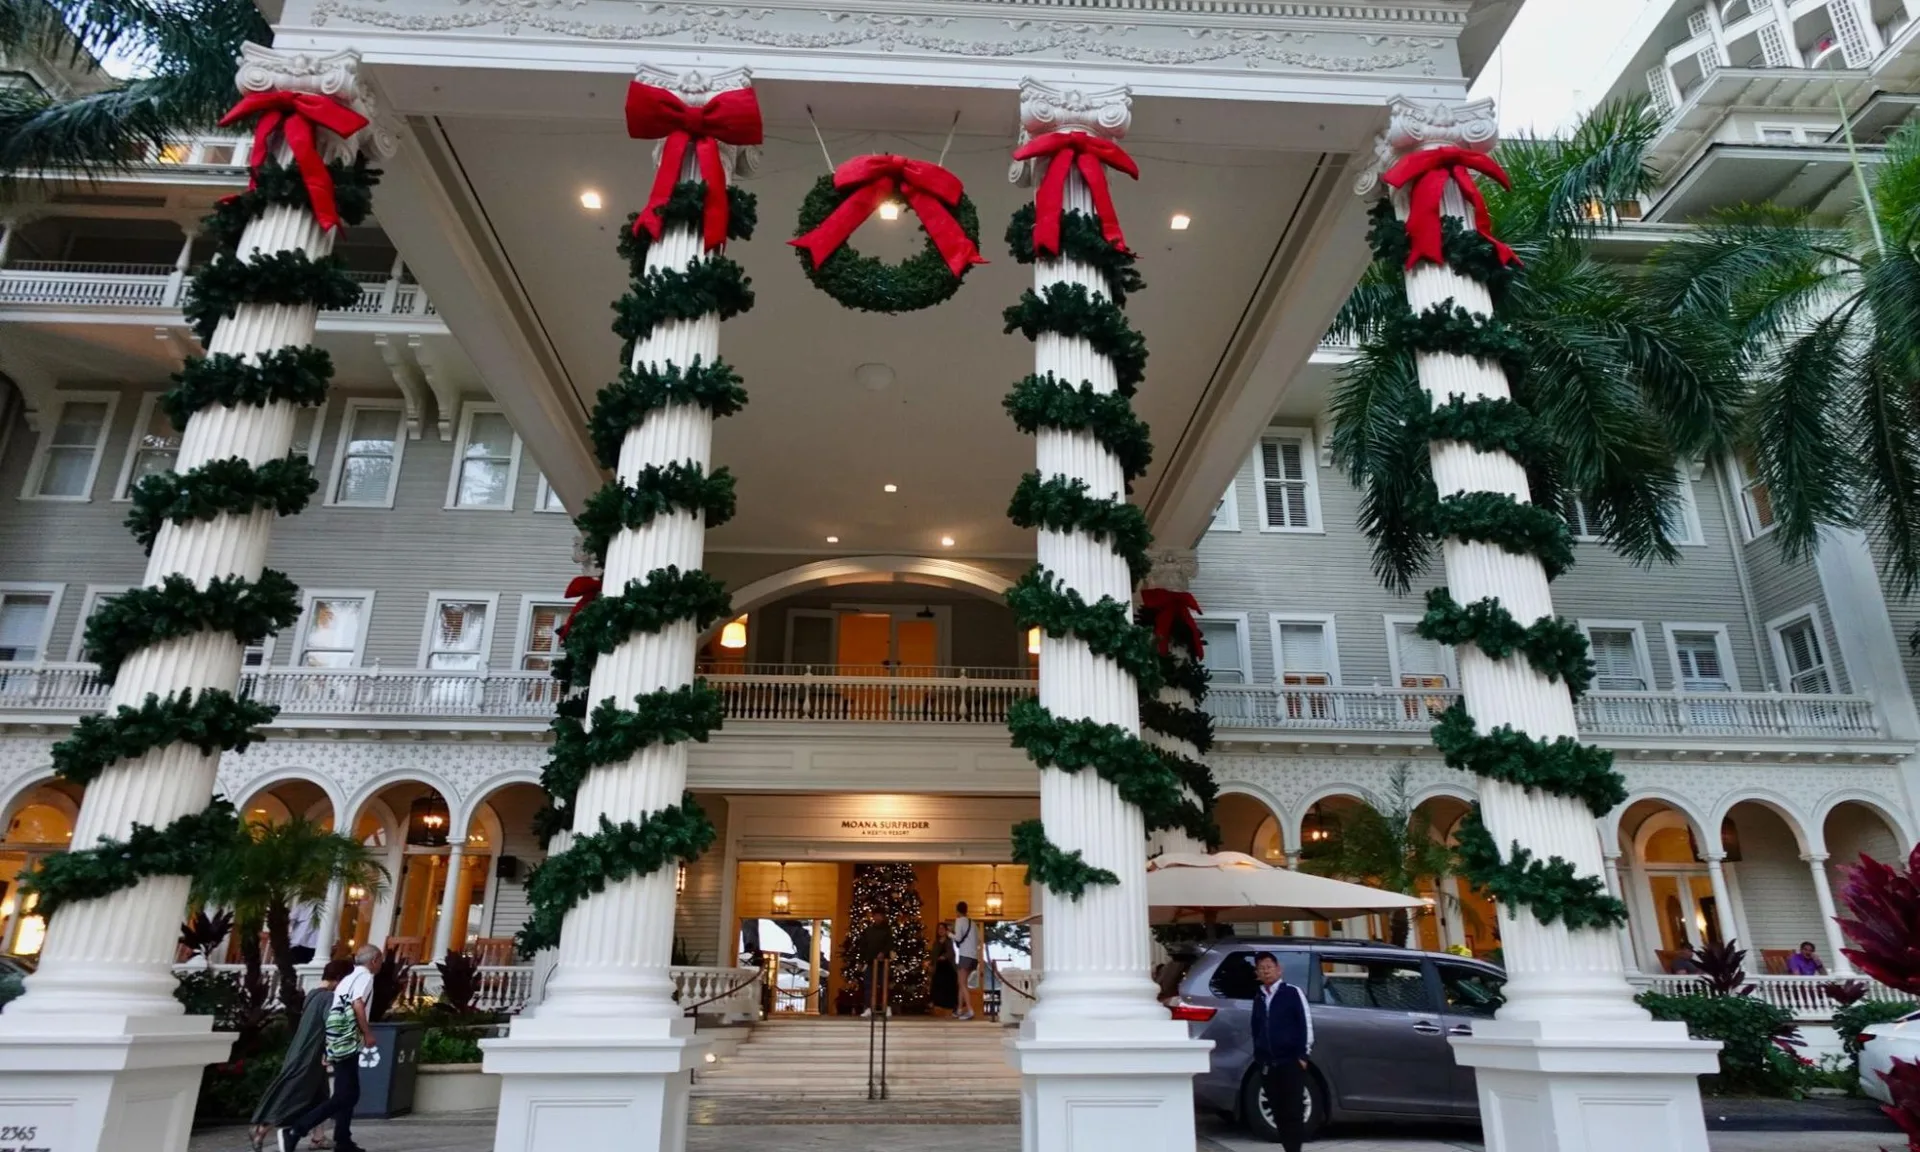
<point x="348" y="1031"/>
<point x="303" y="932"/>
<point x="966" y="958"/>
<point x="1282" y="1041"/>
<point x="302" y="1082"/>
<point x="945" y="993"/>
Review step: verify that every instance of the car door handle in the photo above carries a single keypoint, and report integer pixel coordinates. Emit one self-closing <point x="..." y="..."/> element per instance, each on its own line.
<point x="1460" y="1030"/>
<point x="1426" y="1027"/>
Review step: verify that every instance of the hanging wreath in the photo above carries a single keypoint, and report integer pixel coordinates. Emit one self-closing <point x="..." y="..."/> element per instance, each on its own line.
<point x="841" y="202"/>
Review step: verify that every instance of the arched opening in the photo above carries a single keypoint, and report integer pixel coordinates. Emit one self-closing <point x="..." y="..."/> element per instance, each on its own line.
<point x="1248" y="825"/>
<point x="39" y="823"/>
<point x="1666" y="884"/>
<point x="1775" y="907"/>
<point x="501" y="850"/>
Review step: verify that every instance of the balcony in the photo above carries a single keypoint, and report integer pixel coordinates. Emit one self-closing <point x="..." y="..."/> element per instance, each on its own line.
<point x="794" y="694"/>
<point x="124" y="287"/>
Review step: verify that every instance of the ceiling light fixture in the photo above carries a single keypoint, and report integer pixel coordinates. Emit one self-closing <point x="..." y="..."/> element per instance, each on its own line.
<point x="833" y="539"/>
<point x="889" y="487"/>
<point x="590" y="200"/>
<point x="889" y="209"/>
<point x="782" y="895"/>
<point x="996" y="898"/>
<point x="946" y="541"/>
<point x="1180" y="221"/>
<point x="734" y="635"/>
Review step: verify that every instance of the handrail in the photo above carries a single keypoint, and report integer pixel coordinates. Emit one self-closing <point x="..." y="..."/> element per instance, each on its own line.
<point x="879" y="1012"/>
<point x="740" y="987"/>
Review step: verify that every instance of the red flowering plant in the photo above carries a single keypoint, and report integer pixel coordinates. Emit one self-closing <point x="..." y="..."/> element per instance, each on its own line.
<point x="1884" y="925"/>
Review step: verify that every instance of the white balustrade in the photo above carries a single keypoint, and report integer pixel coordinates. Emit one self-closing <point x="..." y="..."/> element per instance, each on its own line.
<point x="106" y="285"/>
<point x="730" y="993"/>
<point x="1804" y="996"/>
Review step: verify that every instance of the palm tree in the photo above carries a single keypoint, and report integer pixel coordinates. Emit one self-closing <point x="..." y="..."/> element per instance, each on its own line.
<point x="1394" y="850"/>
<point x="1623" y="387"/>
<point x="267" y="871"/>
<point x="1826" y="321"/>
<point x="180" y="55"/>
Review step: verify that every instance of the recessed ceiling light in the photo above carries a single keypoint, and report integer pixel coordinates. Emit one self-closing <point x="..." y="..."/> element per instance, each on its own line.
<point x="889" y="487"/>
<point x="946" y="541"/>
<point x="889" y="209"/>
<point x="833" y="539"/>
<point x="590" y="200"/>
<point x="1180" y="221"/>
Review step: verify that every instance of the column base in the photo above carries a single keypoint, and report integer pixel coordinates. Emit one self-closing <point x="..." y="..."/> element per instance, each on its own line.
<point x="609" y="1084"/>
<point x="1131" y="1089"/>
<point x="1588" y="1086"/>
<point x="104" y="1083"/>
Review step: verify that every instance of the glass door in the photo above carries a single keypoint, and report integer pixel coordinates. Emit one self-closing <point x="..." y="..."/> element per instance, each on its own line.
<point x="794" y="957"/>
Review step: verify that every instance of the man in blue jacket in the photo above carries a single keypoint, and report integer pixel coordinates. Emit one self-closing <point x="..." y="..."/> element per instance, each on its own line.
<point x="1282" y="1040"/>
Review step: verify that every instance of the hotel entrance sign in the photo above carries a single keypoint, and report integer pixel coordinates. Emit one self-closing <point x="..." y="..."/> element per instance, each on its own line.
<point x="886" y="829"/>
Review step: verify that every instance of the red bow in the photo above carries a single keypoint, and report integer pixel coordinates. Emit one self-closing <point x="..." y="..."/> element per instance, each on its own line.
<point x="583" y="590"/>
<point x="297" y="114"/>
<point x="1170" y="608"/>
<point x="931" y="191"/>
<point x="1429" y="171"/>
<point x="730" y="117"/>
<point x="1093" y="155"/>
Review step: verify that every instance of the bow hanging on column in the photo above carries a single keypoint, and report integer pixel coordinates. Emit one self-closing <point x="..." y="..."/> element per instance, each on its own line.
<point x="1169" y="610"/>
<point x="1429" y="171"/>
<point x="730" y="117"/>
<point x="582" y="590"/>
<point x="930" y="190"/>
<point x="1092" y="155"/>
<point x="296" y="115"/>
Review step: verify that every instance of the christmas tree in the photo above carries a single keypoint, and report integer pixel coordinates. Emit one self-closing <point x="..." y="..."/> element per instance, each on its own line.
<point x="885" y="911"/>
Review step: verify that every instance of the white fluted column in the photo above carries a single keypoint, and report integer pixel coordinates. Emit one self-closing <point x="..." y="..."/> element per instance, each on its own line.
<point x="449" y="904"/>
<point x="1722" y="901"/>
<point x="1837" y="962"/>
<point x="1566" y="988"/>
<point x="1625" y="931"/>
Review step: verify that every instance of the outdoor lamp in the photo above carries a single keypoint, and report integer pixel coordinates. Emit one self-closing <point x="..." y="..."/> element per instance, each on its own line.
<point x="996" y="899"/>
<point x="427" y="820"/>
<point x="782" y="895"/>
<point x="734" y="635"/>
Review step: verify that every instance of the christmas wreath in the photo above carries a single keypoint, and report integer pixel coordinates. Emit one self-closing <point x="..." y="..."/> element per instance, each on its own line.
<point x="841" y="202"/>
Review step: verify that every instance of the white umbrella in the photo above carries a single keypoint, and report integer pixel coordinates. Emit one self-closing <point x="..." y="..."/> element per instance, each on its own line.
<point x="1235" y="888"/>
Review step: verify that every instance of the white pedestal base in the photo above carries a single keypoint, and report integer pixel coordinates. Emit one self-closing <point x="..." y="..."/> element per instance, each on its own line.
<point x="1132" y="1092"/>
<point x="1585" y="1086"/>
<point x="594" y="1086"/>
<point x="103" y="1083"/>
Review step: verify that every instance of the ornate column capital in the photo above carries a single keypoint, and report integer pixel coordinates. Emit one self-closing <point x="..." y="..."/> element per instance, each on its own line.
<point x="1103" y="112"/>
<point x="335" y="75"/>
<point x="696" y="88"/>
<point x="1416" y="124"/>
<point x="1714" y="858"/>
<point x="1815" y="858"/>
<point x="1173" y="569"/>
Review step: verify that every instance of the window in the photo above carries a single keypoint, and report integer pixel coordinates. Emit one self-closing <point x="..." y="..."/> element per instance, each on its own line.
<point x="1234" y="979"/>
<point x="1778" y="134"/>
<point x="1305" y="654"/>
<point x="335" y="632"/>
<point x="1619" y="663"/>
<point x="1226" y="659"/>
<point x="1756" y="499"/>
<point x="1373" y="982"/>
<point x="1417" y="661"/>
<point x="487" y="462"/>
<point x="154" y="448"/>
<point x="1289" y="490"/>
<point x="26" y="618"/>
<point x="1681" y="517"/>
<point x="257" y="655"/>
<point x="1802" y="654"/>
<point x="540" y="636"/>
<point x="367" y="460"/>
<point x="1701" y="662"/>
<point x="459" y="632"/>
<point x="546" y="499"/>
<point x="69" y="454"/>
<point x="306" y="434"/>
<point x="1579" y="522"/>
<point x="97" y="597"/>
<point x="1226" y="514"/>
<point x="1471" y="991"/>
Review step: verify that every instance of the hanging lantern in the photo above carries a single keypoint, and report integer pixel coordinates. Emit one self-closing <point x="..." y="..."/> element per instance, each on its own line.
<point x="1033" y="641"/>
<point x="734" y="635"/>
<point x="355" y="893"/>
<point x="782" y="895"/>
<point x="427" y="822"/>
<point x="996" y="899"/>
<point x="1319" y="827"/>
<point x="680" y="879"/>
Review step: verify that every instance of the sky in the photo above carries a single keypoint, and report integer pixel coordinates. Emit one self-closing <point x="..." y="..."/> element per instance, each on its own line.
<point x="1548" y="68"/>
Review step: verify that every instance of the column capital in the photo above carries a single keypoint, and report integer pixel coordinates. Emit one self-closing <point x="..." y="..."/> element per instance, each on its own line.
<point x="1814" y="857"/>
<point x="1103" y="112"/>
<point x="336" y="75"/>
<point x="1416" y="124"/>
<point x="1173" y="569"/>
<point x="696" y="88"/>
<point x="1714" y="857"/>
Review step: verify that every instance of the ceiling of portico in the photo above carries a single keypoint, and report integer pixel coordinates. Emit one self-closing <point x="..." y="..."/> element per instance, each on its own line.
<point x="814" y="447"/>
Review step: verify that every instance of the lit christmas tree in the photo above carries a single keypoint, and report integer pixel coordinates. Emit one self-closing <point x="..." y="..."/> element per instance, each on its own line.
<point x="885" y="914"/>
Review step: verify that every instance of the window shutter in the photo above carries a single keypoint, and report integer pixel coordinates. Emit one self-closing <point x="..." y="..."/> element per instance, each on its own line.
<point x="1223" y="651"/>
<point x="22" y="619"/>
<point x="1616" y="661"/>
<point x="1423" y="662"/>
<point x="1303" y="654"/>
<point x="1699" y="657"/>
<point x="1806" y="662"/>
<point x="1283" y="469"/>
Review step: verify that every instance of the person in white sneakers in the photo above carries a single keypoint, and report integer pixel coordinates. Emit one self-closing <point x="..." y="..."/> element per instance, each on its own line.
<point x="966" y="958"/>
<point x="348" y="1031"/>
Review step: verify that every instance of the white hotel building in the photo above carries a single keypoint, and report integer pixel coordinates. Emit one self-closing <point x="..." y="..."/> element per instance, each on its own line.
<point x="1762" y="711"/>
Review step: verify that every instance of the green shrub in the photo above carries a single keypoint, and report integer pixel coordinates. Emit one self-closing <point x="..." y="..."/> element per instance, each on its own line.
<point x="452" y="1045"/>
<point x="1856" y="1018"/>
<point x="230" y="1091"/>
<point x="1750" y="1062"/>
<point x="209" y="992"/>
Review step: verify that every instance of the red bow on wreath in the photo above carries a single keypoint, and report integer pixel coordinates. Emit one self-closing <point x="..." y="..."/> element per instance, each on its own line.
<point x="296" y="115"/>
<point x="1169" y="609"/>
<point x="730" y="117"/>
<point x="1093" y="155"/>
<point x="582" y="590"/>
<point x="1429" y="171"/>
<point x="930" y="190"/>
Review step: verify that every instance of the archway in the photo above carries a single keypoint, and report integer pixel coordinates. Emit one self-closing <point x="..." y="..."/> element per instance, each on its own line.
<point x="1775" y="906"/>
<point x="39" y="821"/>
<point x="1664" y="880"/>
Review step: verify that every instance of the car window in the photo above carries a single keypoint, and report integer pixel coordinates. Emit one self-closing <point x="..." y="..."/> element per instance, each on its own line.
<point x="1398" y="985"/>
<point x="1471" y="991"/>
<point x="1234" y="978"/>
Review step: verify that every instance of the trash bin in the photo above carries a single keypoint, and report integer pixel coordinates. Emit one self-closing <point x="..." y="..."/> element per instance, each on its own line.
<point x="387" y="1088"/>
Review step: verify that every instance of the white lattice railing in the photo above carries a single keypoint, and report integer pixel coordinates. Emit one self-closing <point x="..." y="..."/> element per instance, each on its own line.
<point x="497" y="987"/>
<point x="1804" y="996"/>
<point x="160" y="286"/>
<point x="730" y="993"/>
<point x="870" y="699"/>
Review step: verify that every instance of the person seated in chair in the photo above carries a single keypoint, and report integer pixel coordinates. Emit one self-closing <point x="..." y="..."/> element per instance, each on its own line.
<point x="1683" y="962"/>
<point x="1806" y="961"/>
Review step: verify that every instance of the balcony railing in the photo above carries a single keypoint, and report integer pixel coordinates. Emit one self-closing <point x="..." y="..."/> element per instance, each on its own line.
<point x="1804" y="996"/>
<point x="161" y="286"/>
<point x="952" y="695"/>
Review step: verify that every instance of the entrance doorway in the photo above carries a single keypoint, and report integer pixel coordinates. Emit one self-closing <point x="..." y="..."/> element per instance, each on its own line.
<point x="795" y="958"/>
<point x="870" y="639"/>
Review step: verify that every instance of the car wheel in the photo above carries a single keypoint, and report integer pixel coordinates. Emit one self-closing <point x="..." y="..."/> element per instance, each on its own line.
<point x="1257" y="1114"/>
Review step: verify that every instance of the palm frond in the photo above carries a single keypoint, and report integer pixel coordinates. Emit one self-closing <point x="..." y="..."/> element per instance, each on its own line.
<point x="1896" y="186"/>
<point x="1569" y="185"/>
<point x="1381" y="292"/>
<point x="1759" y="270"/>
<point x="1797" y="433"/>
<point x="1887" y="418"/>
<point x="1383" y="457"/>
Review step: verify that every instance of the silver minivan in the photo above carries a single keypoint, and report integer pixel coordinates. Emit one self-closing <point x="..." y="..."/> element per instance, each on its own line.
<point x="1381" y="1018"/>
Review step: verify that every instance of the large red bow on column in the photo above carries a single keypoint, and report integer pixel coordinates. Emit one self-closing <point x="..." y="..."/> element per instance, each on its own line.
<point x="297" y="114"/>
<point x="582" y="590"/>
<point x="931" y="191"/>
<point x="1170" y="609"/>
<point x="1429" y="171"/>
<point x="1093" y="155"/>
<point x="730" y="117"/>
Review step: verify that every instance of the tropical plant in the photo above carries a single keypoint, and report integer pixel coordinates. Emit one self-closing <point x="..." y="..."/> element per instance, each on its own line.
<point x="1723" y="969"/>
<point x="459" y="982"/>
<point x="179" y="54"/>
<point x="1395" y="849"/>
<point x="389" y="984"/>
<point x="203" y="933"/>
<point x="1622" y="387"/>
<point x="1883" y="906"/>
<point x="1757" y="1039"/>
<point x="1826" y="317"/>
<point x="268" y="870"/>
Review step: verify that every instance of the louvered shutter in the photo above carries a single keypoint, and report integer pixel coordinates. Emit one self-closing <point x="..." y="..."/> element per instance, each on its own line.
<point x="1698" y="654"/>
<point x="1806" y="660"/>
<point x="1616" y="661"/>
<point x="1223" y="651"/>
<point x="1303" y="654"/>
<point x="1423" y="662"/>
<point x="1283" y="471"/>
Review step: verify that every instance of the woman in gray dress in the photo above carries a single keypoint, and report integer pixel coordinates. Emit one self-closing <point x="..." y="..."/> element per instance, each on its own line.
<point x="302" y="1082"/>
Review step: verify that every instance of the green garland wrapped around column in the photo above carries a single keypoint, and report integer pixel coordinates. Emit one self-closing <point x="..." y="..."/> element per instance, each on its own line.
<point x="1173" y="715"/>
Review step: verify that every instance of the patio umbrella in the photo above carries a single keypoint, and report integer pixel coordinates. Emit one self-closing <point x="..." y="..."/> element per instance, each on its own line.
<point x="1235" y="888"/>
